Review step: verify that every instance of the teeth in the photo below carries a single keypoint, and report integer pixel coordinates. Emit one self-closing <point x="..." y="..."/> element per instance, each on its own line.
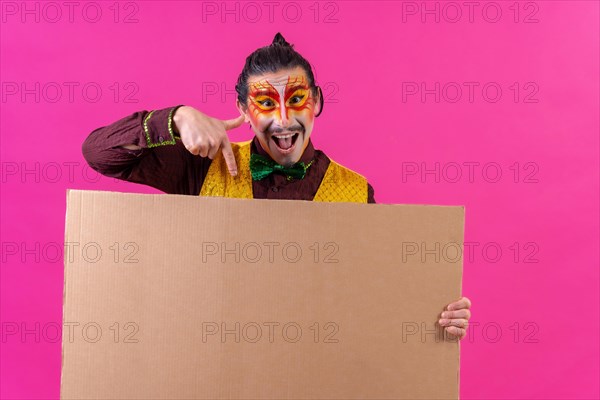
<point x="284" y="136"/>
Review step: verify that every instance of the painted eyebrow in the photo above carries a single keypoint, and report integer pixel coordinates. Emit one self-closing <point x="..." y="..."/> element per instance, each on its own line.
<point x="264" y="91"/>
<point x="293" y="88"/>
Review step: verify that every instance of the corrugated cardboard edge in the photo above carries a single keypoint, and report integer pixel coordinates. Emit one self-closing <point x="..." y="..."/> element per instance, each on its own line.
<point x="80" y="192"/>
<point x="62" y="342"/>
<point x="462" y="274"/>
<point x="70" y="193"/>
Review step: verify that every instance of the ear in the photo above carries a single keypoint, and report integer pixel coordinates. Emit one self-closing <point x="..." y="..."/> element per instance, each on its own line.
<point x="243" y="110"/>
<point x="319" y="102"/>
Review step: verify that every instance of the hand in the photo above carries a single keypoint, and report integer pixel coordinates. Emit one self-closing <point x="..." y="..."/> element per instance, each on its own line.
<point x="456" y="317"/>
<point x="203" y="135"/>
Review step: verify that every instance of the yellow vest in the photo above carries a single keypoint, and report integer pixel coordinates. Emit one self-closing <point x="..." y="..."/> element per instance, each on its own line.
<point x="339" y="184"/>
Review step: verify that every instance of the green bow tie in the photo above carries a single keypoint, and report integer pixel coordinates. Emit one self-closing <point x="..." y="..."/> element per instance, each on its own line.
<point x="261" y="167"/>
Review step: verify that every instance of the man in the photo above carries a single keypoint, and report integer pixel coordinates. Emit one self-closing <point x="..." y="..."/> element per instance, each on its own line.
<point x="180" y="150"/>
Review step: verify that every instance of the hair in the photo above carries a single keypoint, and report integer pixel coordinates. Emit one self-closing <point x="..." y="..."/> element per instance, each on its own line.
<point x="278" y="55"/>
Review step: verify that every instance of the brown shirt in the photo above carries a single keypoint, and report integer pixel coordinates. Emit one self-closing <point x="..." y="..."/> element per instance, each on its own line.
<point x="164" y="163"/>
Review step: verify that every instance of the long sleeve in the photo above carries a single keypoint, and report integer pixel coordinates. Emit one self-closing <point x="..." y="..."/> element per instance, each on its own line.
<point x="163" y="162"/>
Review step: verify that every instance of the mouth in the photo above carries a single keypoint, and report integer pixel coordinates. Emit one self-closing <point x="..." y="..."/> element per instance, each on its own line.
<point x="285" y="142"/>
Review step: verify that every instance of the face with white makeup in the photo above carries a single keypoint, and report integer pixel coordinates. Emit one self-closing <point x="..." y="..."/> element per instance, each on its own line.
<point x="281" y="107"/>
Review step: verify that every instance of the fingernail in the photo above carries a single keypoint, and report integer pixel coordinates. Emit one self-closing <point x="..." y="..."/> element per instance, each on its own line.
<point x="445" y="315"/>
<point x="443" y="321"/>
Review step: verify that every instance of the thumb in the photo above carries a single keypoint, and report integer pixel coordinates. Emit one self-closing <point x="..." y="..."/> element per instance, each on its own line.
<point x="233" y="123"/>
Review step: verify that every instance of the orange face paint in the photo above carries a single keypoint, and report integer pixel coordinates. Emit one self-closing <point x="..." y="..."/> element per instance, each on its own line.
<point x="280" y="102"/>
<point x="281" y="108"/>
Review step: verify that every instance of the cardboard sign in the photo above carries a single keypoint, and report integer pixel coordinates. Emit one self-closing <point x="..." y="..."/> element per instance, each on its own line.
<point x="185" y="297"/>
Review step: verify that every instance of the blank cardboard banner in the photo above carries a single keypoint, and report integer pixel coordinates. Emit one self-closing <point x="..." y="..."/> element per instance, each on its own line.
<point x="185" y="297"/>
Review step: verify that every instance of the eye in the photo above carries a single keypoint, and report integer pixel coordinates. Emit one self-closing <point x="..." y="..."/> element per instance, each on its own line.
<point x="296" y="99"/>
<point x="265" y="103"/>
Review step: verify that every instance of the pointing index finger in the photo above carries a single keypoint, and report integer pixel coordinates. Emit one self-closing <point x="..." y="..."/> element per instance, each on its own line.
<point x="229" y="156"/>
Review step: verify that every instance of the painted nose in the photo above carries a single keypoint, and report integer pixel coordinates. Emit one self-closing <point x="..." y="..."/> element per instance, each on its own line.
<point x="283" y="118"/>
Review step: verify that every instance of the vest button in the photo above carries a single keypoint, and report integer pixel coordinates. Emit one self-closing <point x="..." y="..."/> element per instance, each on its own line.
<point x="274" y="188"/>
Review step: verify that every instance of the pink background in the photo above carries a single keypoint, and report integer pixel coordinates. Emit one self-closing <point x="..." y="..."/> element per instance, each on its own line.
<point x="362" y="53"/>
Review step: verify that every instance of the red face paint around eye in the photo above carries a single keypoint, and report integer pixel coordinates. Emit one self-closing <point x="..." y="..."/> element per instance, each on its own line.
<point x="281" y="110"/>
<point x="265" y="98"/>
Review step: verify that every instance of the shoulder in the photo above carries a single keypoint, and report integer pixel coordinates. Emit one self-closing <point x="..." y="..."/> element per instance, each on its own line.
<point x="343" y="172"/>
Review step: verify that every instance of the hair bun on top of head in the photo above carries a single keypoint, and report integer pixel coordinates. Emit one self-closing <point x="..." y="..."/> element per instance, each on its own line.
<point x="280" y="40"/>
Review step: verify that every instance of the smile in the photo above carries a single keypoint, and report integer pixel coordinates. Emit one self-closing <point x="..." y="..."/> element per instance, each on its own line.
<point x="285" y="143"/>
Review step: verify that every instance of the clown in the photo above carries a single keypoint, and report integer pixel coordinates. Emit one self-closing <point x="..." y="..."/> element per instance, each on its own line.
<point x="181" y="150"/>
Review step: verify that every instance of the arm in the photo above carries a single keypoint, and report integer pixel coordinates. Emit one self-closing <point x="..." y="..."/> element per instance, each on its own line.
<point x="145" y="148"/>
